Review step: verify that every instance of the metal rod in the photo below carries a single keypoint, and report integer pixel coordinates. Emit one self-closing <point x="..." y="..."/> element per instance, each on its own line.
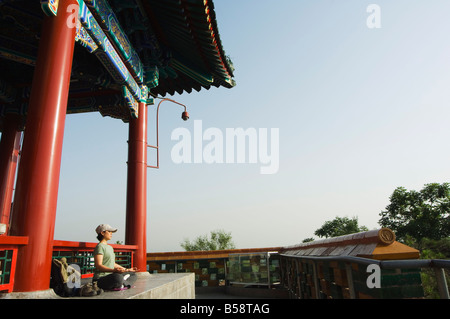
<point x="414" y="263"/>
<point x="442" y="283"/>
<point x="440" y="263"/>
<point x="360" y="260"/>
<point x="157" y="131"/>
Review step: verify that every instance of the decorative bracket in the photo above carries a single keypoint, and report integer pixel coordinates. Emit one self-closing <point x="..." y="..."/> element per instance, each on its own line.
<point x="50" y="7"/>
<point x="131" y="102"/>
<point x="85" y="39"/>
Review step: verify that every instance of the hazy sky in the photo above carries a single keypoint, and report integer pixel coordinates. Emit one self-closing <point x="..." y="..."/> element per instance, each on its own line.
<point x="359" y="110"/>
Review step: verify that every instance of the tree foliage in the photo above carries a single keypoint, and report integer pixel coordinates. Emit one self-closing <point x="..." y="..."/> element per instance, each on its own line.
<point x="419" y="214"/>
<point x="340" y="226"/>
<point x="218" y="240"/>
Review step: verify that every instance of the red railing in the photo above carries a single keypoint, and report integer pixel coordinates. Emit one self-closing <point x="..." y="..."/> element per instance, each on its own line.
<point x="9" y="246"/>
<point x="82" y="254"/>
<point x="75" y="252"/>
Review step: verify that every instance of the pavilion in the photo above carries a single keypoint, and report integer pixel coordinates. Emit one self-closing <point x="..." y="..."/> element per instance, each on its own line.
<point x="72" y="56"/>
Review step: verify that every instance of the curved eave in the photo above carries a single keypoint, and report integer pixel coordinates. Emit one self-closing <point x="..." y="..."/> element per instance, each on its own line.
<point x="188" y="28"/>
<point x="227" y="62"/>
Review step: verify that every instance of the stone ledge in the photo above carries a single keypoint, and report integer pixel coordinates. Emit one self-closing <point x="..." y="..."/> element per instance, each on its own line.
<point x="147" y="286"/>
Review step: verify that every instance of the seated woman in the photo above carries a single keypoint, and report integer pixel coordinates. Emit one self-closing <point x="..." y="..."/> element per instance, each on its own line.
<point x="107" y="273"/>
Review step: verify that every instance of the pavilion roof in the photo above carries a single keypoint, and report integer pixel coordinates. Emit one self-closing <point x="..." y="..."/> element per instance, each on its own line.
<point x="375" y="244"/>
<point x="170" y="46"/>
<point x="188" y="29"/>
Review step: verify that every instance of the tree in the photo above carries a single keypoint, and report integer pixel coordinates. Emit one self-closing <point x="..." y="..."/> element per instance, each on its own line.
<point x="423" y="214"/>
<point x="218" y="240"/>
<point x="340" y="226"/>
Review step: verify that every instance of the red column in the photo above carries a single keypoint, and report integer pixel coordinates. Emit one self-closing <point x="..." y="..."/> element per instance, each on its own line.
<point x="136" y="216"/>
<point x="36" y="194"/>
<point x="9" y="156"/>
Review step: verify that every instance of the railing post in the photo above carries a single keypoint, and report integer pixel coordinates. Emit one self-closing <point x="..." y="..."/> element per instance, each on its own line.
<point x="268" y="267"/>
<point x="351" y="286"/>
<point x="442" y="283"/>
<point x="297" y="274"/>
<point x="288" y="274"/>
<point x="316" y="281"/>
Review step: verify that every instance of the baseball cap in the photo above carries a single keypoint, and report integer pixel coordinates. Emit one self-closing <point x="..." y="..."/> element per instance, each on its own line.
<point x="103" y="227"/>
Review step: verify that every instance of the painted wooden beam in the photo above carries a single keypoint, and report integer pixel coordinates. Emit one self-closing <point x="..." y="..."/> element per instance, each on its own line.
<point x="91" y="35"/>
<point x="112" y="28"/>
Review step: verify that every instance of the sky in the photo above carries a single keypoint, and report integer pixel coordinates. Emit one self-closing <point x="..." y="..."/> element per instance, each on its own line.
<point x="360" y="111"/>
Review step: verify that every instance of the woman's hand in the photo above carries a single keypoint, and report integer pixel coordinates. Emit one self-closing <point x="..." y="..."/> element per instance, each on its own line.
<point x="120" y="269"/>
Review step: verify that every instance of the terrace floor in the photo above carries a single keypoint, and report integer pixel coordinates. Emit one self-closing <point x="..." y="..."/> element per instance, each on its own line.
<point x="147" y="286"/>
